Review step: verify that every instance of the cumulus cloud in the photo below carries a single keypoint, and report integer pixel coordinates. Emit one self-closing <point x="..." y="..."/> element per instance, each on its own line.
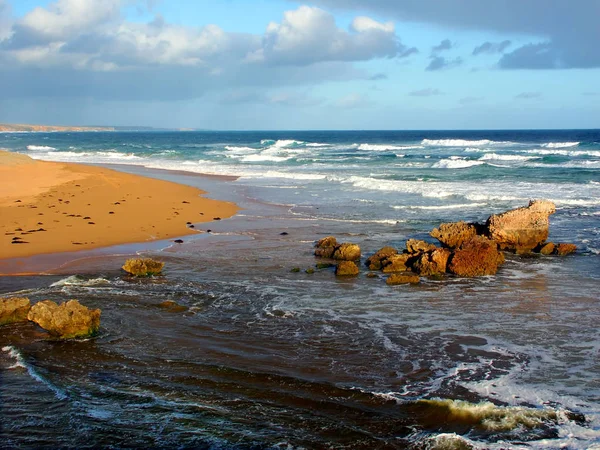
<point x="564" y="34"/>
<point x="427" y="92"/>
<point x="440" y="63"/>
<point x="87" y="47"/>
<point x="491" y="47"/>
<point x="528" y="95"/>
<point x="442" y="46"/>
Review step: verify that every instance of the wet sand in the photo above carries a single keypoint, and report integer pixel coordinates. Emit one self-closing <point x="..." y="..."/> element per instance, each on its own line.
<point x="50" y="207"/>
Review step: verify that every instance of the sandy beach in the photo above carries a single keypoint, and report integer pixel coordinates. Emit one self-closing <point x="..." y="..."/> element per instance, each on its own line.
<point x="49" y="207"/>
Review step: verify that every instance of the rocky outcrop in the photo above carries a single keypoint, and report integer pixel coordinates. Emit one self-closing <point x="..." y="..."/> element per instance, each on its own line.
<point x="565" y="249"/>
<point x="454" y="234"/>
<point x="14" y="309"/>
<point x="476" y="257"/>
<point x="346" y="269"/>
<point x="325" y="247"/>
<point x="144" y="267"/>
<point x="521" y="230"/>
<point x="545" y="248"/>
<point x="347" y="252"/>
<point x="374" y="262"/>
<point x="402" y="278"/>
<point x="65" y="321"/>
<point x="414" y="246"/>
<point x="396" y="263"/>
<point x="432" y="263"/>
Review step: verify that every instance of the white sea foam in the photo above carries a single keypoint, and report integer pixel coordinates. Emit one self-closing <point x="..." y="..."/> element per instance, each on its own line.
<point x="455" y="163"/>
<point x="386" y="147"/>
<point x="234" y="149"/>
<point x="435" y="207"/>
<point x="263" y="158"/>
<point x="565" y="152"/>
<point x="317" y="144"/>
<point x="38" y="148"/>
<point x="461" y="143"/>
<point x="282" y="143"/>
<point x="498" y="157"/>
<point x="560" y="144"/>
<point x="75" y="280"/>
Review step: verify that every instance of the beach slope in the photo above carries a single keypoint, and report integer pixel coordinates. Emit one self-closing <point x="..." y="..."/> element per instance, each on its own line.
<point x="51" y="207"/>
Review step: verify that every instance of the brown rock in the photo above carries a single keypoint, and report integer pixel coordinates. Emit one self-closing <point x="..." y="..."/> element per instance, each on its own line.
<point x="403" y="278"/>
<point x="396" y="263"/>
<point x="375" y="261"/>
<point x="453" y="234"/>
<point x="325" y="247"/>
<point x="546" y="249"/>
<point x="477" y="257"/>
<point x="432" y="263"/>
<point x="172" y="306"/>
<point x="143" y="267"/>
<point x="347" y="252"/>
<point x="565" y="249"/>
<point x="66" y="321"/>
<point x="522" y="229"/>
<point x="13" y="310"/>
<point x="414" y="246"/>
<point x="346" y="269"/>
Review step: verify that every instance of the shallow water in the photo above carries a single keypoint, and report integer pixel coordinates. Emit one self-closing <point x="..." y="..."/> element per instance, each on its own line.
<point x="266" y="358"/>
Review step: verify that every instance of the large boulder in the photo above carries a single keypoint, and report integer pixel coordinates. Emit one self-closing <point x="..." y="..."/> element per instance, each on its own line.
<point x="14" y="310"/>
<point x="374" y="262"/>
<point x="396" y="263"/>
<point x="346" y="269"/>
<point x="143" y="267"/>
<point x="66" y="321"/>
<point x="402" y="278"/>
<point x="453" y="234"/>
<point x="432" y="263"/>
<point x="477" y="257"/>
<point x="522" y="229"/>
<point x="325" y="247"/>
<point x="347" y="252"/>
<point x="414" y="246"/>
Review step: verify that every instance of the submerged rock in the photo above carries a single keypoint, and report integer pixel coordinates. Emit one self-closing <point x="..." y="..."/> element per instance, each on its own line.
<point x="347" y="252"/>
<point x="374" y="262"/>
<point x="432" y="263"/>
<point x="403" y="278"/>
<point x="14" y="309"/>
<point x="522" y="229"/>
<point x="346" y="269"/>
<point x="414" y="246"/>
<point x="477" y="257"/>
<point x="66" y="321"/>
<point x="143" y="267"/>
<point x="172" y="306"/>
<point x="454" y="234"/>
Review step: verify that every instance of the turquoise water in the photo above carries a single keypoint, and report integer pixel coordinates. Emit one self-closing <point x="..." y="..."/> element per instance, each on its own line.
<point x="265" y="358"/>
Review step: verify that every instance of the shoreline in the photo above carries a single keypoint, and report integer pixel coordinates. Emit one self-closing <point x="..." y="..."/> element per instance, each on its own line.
<point x="74" y="208"/>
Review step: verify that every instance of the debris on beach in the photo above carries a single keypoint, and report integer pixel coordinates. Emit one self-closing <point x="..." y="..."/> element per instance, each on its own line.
<point x="143" y="267"/>
<point x="66" y="321"/>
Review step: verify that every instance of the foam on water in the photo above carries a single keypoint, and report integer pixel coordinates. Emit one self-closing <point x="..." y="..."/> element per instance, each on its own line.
<point x="387" y="147"/>
<point x="454" y="163"/>
<point x="75" y="280"/>
<point x="495" y="156"/>
<point x="37" y="148"/>
<point x="461" y="143"/>
<point x="560" y="144"/>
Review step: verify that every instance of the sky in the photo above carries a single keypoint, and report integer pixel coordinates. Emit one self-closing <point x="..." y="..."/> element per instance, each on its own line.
<point x="314" y="64"/>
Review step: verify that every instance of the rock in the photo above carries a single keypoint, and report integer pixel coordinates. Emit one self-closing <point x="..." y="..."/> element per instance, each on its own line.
<point x="432" y="263"/>
<point x="546" y="249"/>
<point x="374" y="262"/>
<point x="144" y="267"/>
<point x="66" y="321"/>
<point x="324" y="265"/>
<point x="346" y="269"/>
<point x="477" y="257"/>
<point x="295" y="270"/>
<point x="396" y="263"/>
<point x="565" y="249"/>
<point x="347" y="252"/>
<point x="372" y="275"/>
<point x="453" y="234"/>
<point x="415" y="246"/>
<point x="325" y="247"/>
<point x="522" y="229"/>
<point x="172" y="306"/>
<point x="310" y="271"/>
<point x="14" y="310"/>
<point x="402" y="278"/>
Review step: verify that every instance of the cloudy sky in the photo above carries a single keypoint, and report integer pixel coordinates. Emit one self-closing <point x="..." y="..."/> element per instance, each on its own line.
<point x="316" y="64"/>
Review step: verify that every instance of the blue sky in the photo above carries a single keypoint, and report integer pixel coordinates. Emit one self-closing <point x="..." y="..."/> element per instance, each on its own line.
<point x="319" y="64"/>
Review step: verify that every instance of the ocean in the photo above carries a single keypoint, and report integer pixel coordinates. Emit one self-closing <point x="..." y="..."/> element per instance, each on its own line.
<point x="266" y="358"/>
